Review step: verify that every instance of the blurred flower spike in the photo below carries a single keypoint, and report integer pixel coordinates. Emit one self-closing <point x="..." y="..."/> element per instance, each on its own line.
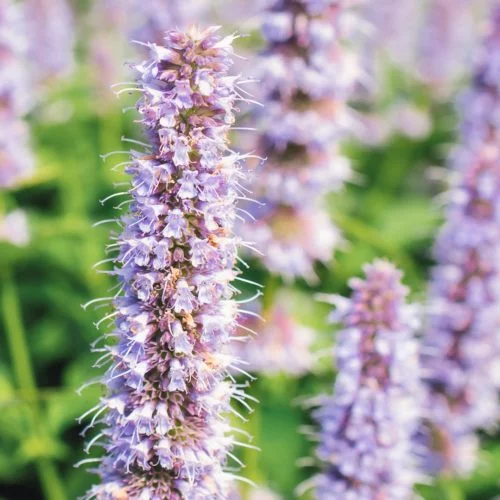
<point x="461" y="349"/>
<point x="365" y="433"/>
<point x="306" y="75"/>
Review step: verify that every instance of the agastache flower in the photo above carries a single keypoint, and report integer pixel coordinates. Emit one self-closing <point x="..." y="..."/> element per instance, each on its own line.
<point x="461" y="349"/>
<point x="366" y="427"/>
<point x="52" y="38"/>
<point x="166" y="434"/>
<point x="305" y="75"/>
<point x="16" y="161"/>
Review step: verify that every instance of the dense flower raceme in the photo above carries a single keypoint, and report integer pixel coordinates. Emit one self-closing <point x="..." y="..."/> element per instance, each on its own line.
<point x="461" y="353"/>
<point x="305" y="76"/>
<point x="165" y="430"/>
<point x="52" y="38"/>
<point x="366" y="427"/>
<point x="16" y="161"/>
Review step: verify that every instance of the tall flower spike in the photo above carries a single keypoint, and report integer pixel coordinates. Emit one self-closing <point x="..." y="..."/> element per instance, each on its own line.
<point x="306" y="76"/>
<point x="461" y="350"/>
<point x="165" y="430"/>
<point x="16" y="161"/>
<point x="366" y="427"/>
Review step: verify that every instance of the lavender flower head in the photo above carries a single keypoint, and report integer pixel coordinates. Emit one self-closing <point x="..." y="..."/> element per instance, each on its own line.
<point x="461" y="350"/>
<point x="366" y="427"/>
<point x="305" y="75"/>
<point x="165" y="430"/>
<point x="16" y="161"/>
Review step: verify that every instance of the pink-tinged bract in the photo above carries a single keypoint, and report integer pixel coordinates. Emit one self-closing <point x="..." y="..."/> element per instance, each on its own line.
<point x="165" y="428"/>
<point x="365" y="433"/>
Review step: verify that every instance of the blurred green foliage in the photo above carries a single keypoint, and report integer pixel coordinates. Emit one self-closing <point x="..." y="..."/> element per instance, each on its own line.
<point x="390" y="212"/>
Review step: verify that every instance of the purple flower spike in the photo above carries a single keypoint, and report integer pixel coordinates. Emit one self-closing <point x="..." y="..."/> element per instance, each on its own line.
<point x="166" y="435"/>
<point x="461" y="350"/>
<point x="306" y="76"/>
<point x="366" y="427"/>
<point x="16" y="161"/>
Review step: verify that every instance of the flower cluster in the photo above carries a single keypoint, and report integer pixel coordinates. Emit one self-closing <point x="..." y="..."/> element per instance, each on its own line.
<point x="462" y="345"/>
<point x="306" y="75"/>
<point x="366" y="427"/>
<point x="16" y="161"/>
<point x="52" y="38"/>
<point x="166" y="434"/>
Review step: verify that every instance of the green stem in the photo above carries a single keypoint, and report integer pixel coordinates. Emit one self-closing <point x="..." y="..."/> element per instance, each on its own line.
<point x="25" y="379"/>
<point x="16" y="339"/>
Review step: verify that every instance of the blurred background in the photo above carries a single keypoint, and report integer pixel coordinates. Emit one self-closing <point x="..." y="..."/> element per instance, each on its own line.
<point x="47" y="252"/>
